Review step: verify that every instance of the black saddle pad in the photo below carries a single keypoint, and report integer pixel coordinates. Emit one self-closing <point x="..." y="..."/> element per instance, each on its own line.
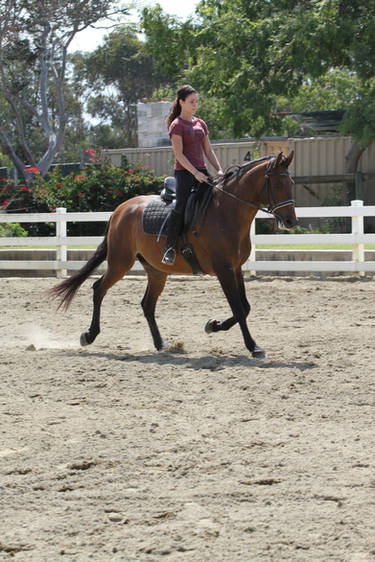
<point x="154" y="215"/>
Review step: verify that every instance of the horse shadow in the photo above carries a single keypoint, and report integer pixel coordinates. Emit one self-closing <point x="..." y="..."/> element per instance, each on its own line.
<point x="211" y="362"/>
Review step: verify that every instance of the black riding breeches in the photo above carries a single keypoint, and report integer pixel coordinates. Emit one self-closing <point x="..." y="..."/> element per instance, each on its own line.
<point x="185" y="182"/>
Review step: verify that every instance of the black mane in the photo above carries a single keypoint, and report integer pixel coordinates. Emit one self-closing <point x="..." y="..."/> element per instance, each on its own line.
<point x="239" y="169"/>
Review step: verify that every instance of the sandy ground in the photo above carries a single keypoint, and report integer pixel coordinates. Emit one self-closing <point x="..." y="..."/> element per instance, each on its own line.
<point x="201" y="453"/>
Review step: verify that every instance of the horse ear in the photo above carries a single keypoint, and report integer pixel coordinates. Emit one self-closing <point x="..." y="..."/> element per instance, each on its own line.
<point x="279" y="160"/>
<point x="289" y="158"/>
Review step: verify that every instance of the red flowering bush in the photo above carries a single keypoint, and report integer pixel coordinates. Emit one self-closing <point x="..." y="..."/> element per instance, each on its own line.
<point x="20" y="198"/>
<point x="13" y="197"/>
<point x="98" y="187"/>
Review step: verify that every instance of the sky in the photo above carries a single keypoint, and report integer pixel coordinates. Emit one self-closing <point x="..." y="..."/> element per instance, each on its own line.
<point x="89" y="39"/>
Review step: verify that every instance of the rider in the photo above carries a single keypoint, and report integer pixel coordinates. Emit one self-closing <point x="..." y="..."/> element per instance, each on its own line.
<point x="189" y="136"/>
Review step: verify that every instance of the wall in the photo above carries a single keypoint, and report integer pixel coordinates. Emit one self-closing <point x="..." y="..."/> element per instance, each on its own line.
<point x="161" y="159"/>
<point x="313" y="156"/>
<point x="319" y="156"/>
<point x="152" y="130"/>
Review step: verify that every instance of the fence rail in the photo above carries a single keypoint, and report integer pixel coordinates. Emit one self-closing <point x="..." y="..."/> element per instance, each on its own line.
<point x="357" y="238"/>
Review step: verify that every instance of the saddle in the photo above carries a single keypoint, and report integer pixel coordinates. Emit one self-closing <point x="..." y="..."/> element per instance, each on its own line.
<point x="156" y="213"/>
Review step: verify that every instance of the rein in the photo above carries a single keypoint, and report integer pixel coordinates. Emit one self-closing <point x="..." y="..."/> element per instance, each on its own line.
<point x="271" y="208"/>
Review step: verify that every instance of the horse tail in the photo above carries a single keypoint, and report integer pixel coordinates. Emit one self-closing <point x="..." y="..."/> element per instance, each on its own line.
<point x="67" y="289"/>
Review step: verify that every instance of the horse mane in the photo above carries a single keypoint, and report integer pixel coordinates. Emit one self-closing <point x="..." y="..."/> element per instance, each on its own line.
<point x="238" y="170"/>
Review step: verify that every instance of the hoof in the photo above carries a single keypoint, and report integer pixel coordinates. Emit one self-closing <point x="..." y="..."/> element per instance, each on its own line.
<point x="258" y="353"/>
<point x="160" y="346"/>
<point x="83" y="339"/>
<point x="209" y="327"/>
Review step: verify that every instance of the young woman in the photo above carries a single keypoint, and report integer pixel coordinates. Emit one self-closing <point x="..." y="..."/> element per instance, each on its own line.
<point x="190" y="142"/>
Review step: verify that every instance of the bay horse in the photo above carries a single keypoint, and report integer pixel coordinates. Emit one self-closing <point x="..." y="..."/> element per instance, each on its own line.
<point x="221" y="249"/>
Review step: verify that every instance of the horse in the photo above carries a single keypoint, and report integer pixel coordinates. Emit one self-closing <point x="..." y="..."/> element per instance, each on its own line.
<point x="221" y="248"/>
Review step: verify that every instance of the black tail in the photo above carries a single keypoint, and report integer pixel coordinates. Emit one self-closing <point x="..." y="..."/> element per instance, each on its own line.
<point x="66" y="290"/>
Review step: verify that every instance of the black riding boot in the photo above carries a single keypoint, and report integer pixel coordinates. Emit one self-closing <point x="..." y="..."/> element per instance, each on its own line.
<point x="173" y="230"/>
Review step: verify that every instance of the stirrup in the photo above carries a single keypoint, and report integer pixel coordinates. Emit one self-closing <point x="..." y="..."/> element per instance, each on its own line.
<point x="169" y="256"/>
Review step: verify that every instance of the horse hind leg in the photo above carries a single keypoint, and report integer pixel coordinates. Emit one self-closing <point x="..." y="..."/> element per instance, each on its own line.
<point x="155" y="286"/>
<point x="100" y="288"/>
<point x="225" y="325"/>
<point x="231" y="285"/>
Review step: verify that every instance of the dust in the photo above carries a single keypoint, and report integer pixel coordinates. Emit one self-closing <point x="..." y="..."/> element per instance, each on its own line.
<point x="177" y="347"/>
<point x="31" y="335"/>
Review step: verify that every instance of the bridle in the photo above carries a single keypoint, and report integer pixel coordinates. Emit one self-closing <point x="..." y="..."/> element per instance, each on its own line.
<point x="267" y="184"/>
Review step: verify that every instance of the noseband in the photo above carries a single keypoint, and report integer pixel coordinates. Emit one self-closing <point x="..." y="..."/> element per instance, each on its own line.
<point x="267" y="184"/>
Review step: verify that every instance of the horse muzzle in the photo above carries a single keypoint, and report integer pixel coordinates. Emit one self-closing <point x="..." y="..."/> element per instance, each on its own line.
<point x="285" y="221"/>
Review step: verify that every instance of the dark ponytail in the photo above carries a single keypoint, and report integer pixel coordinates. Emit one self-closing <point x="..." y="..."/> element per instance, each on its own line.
<point x="182" y="94"/>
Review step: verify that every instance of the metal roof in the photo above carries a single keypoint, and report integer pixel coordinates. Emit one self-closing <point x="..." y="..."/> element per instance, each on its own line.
<point x="321" y="121"/>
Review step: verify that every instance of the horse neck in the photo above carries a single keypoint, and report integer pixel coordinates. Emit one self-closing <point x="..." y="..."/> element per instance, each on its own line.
<point x="247" y="189"/>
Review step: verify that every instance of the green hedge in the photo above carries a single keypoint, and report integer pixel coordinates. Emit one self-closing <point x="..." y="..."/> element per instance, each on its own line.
<point x="98" y="187"/>
<point x="12" y="230"/>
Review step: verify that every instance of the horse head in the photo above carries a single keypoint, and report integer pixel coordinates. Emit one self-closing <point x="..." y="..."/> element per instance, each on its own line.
<point x="277" y="192"/>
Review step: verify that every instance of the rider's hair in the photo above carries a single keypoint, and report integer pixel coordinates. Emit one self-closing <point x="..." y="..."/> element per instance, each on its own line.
<point x="182" y="94"/>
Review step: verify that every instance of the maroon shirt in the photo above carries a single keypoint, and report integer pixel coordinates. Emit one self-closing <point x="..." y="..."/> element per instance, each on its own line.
<point x="193" y="134"/>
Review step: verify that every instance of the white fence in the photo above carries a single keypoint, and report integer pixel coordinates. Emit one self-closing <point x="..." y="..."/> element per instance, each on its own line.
<point x="357" y="238"/>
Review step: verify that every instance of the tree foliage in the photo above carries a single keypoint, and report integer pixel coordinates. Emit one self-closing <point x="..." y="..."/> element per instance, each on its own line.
<point x="248" y="58"/>
<point x="34" y="40"/>
<point x="168" y="40"/>
<point x="115" y="77"/>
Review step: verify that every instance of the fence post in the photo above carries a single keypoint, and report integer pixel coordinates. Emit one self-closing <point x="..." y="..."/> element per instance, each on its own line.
<point x="358" y="251"/>
<point x="61" y="249"/>
<point x="253" y="249"/>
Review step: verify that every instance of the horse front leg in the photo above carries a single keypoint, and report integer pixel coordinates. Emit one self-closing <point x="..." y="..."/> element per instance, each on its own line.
<point x="224" y="325"/>
<point x="231" y="285"/>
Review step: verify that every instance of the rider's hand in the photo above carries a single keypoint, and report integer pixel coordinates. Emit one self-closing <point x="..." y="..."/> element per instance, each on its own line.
<point x="201" y="177"/>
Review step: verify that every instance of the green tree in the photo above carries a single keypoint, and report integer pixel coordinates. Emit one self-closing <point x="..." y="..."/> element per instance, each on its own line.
<point x="34" y="40"/>
<point x="247" y="58"/>
<point x="115" y="77"/>
<point x="168" y="40"/>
